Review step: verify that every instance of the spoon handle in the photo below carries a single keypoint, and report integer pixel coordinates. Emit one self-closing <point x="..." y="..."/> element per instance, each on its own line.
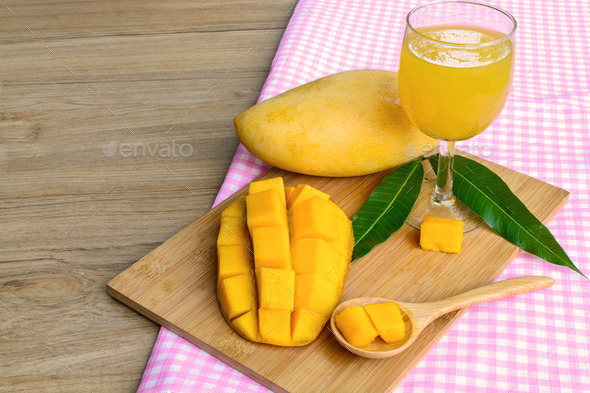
<point x="497" y="290"/>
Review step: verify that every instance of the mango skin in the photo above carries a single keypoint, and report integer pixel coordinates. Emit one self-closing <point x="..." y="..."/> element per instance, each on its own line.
<point x="346" y="124"/>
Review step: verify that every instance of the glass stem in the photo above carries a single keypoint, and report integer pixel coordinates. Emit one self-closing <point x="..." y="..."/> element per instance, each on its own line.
<point x="443" y="194"/>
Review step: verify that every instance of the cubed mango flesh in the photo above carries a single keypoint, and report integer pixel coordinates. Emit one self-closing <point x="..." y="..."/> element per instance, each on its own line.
<point x="314" y="217"/>
<point x="233" y="259"/>
<point x="441" y="234"/>
<point x="275" y="326"/>
<point x="276" y="288"/>
<point x="233" y="230"/>
<point x="263" y="185"/>
<point x="266" y="209"/>
<point x="281" y="273"/>
<point x="236" y="209"/>
<point x="247" y="325"/>
<point x="303" y="192"/>
<point x="288" y="191"/>
<point x="356" y="326"/>
<point x="238" y="295"/>
<point x="271" y="247"/>
<point x="306" y="325"/>
<point x="314" y="291"/>
<point x="387" y="319"/>
<point x="315" y="255"/>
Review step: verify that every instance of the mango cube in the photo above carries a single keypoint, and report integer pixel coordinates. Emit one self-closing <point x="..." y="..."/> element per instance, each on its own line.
<point x="303" y="192"/>
<point x="276" y="288"/>
<point x="271" y="247"/>
<point x="266" y="209"/>
<point x="247" y="325"/>
<point x="237" y="295"/>
<point x="388" y="320"/>
<point x="441" y="234"/>
<point x="233" y="260"/>
<point x="263" y="185"/>
<point x="288" y="191"/>
<point x="314" y="291"/>
<point x="314" y="255"/>
<point x="233" y="230"/>
<point x="235" y="209"/>
<point x="306" y="325"/>
<point x="314" y="217"/>
<point x="275" y="326"/>
<point x="356" y="326"/>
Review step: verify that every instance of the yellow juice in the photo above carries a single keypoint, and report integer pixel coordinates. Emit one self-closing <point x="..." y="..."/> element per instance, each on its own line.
<point x="454" y="92"/>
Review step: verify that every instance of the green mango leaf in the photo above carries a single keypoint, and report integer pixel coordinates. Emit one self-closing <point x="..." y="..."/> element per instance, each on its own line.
<point x="387" y="208"/>
<point x="488" y="195"/>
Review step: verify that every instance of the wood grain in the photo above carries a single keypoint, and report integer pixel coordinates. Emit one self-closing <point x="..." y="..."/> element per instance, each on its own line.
<point x="71" y="218"/>
<point x="174" y="285"/>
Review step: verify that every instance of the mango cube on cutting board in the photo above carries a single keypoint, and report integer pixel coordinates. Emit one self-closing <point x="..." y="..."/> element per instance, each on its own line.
<point x="247" y="325"/>
<point x="236" y="208"/>
<point x="235" y="260"/>
<point x="266" y="209"/>
<point x="237" y="305"/>
<point x="271" y="247"/>
<point x="270" y="184"/>
<point x="314" y="291"/>
<point x="314" y="218"/>
<point x="306" y="324"/>
<point x="275" y="288"/>
<point x="232" y="231"/>
<point x="441" y="234"/>
<point x="311" y="255"/>
<point x="303" y="192"/>
<point x="275" y="326"/>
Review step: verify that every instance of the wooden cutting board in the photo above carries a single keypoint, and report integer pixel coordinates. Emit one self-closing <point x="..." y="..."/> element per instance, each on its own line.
<point x="174" y="285"/>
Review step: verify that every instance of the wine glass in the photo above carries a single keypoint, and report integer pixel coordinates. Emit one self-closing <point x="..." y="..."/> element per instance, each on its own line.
<point x="456" y="67"/>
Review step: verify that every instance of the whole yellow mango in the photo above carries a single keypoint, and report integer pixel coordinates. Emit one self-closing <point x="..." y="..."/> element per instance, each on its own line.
<point x="346" y="124"/>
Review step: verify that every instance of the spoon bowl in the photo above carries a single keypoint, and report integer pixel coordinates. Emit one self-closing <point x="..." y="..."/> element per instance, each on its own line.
<point x="418" y="315"/>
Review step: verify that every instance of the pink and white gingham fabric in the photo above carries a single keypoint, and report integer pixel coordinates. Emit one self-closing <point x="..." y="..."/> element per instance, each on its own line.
<point x="536" y="342"/>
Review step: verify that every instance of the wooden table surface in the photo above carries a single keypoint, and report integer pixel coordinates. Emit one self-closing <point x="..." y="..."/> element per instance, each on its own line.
<point x="115" y="132"/>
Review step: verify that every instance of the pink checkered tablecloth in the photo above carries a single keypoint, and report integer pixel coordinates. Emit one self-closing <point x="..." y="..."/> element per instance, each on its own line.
<point x="536" y="342"/>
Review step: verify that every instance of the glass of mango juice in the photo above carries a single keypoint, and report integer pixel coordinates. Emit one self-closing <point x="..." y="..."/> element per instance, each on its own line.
<point x="456" y="67"/>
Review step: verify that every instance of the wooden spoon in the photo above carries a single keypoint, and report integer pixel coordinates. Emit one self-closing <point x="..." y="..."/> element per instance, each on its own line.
<point x="418" y="315"/>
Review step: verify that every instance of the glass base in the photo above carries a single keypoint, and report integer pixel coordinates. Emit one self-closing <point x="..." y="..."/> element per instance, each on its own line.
<point x="454" y="209"/>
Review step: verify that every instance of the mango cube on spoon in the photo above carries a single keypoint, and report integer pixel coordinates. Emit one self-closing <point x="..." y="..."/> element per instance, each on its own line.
<point x="356" y="326"/>
<point x="388" y="320"/>
<point x="360" y="325"/>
